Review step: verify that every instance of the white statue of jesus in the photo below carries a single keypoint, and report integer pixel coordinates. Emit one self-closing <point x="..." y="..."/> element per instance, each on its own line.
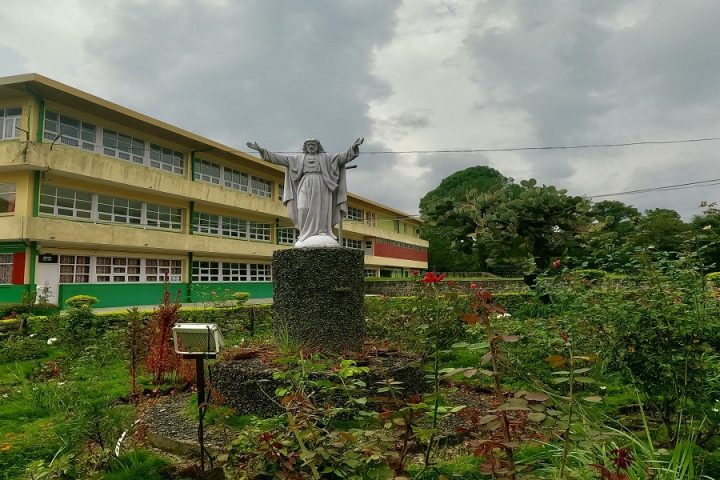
<point x="315" y="189"/>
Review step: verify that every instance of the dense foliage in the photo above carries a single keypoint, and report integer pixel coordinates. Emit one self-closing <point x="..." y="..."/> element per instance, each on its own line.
<point x="441" y="256"/>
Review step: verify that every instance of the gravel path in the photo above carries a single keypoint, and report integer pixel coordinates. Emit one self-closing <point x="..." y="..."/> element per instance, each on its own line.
<point x="167" y="419"/>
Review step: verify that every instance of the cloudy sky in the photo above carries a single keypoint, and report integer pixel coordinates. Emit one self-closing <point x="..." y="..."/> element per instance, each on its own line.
<point x="412" y="75"/>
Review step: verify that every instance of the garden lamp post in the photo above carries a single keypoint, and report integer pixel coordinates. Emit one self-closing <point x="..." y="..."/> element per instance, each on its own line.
<point x="198" y="341"/>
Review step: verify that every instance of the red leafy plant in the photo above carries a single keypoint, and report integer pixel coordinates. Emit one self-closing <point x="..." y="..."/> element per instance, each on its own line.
<point x="622" y="459"/>
<point x="161" y="358"/>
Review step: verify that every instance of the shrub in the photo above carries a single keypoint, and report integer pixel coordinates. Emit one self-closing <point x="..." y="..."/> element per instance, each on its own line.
<point x="17" y="348"/>
<point x="78" y="324"/>
<point x="161" y="358"/>
<point x="713" y="279"/>
<point x="79" y="301"/>
<point x="241" y="297"/>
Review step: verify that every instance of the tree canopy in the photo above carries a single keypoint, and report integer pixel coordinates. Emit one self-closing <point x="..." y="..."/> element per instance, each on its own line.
<point x="523" y="224"/>
<point x="442" y="255"/>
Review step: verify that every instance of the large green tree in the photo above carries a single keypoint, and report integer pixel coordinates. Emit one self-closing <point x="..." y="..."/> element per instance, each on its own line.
<point x="524" y="224"/>
<point x="661" y="228"/>
<point x="706" y="235"/>
<point x="605" y="244"/>
<point x="442" y="256"/>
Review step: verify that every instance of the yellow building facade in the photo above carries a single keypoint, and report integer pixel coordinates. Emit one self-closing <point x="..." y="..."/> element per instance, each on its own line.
<point x="101" y="200"/>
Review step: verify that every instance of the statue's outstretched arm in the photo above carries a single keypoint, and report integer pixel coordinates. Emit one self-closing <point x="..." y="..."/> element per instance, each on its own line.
<point x="255" y="146"/>
<point x="276" y="158"/>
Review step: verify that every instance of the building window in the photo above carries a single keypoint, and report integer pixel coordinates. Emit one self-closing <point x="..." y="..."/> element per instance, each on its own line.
<point x="207" y="172"/>
<point x="161" y="216"/>
<point x="207" y="223"/>
<point x="352" y="243"/>
<point x="117" y="270"/>
<point x="371" y="272"/>
<point x="6" y="267"/>
<point x="210" y="172"/>
<point x="399" y="244"/>
<point x="259" y="231"/>
<point x="206" y="272"/>
<point x="166" y="159"/>
<point x="161" y="270"/>
<point x="66" y="202"/>
<point x="7" y="197"/>
<point x="81" y="134"/>
<point x="10" y="123"/>
<point x="371" y="218"/>
<point x="281" y="191"/>
<point x="74" y="269"/>
<point x="354" y="214"/>
<point x="236" y="179"/>
<point x="231" y="272"/>
<point x="260" y="187"/>
<point x="119" y="210"/>
<point x="71" y="131"/>
<point x="287" y="235"/>
<point x="123" y="146"/>
<point x="231" y="227"/>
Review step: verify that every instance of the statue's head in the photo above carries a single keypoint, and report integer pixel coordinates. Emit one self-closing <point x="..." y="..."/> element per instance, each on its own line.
<point x="311" y="141"/>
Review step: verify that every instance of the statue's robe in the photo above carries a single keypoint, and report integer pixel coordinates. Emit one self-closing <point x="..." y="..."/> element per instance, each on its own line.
<point x="315" y="191"/>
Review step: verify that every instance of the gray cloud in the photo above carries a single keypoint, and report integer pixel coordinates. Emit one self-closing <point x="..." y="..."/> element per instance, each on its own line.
<point x="275" y="72"/>
<point x="435" y="75"/>
<point x="13" y="62"/>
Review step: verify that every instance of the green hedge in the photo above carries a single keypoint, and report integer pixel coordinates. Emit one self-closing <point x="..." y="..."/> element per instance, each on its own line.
<point x="231" y="320"/>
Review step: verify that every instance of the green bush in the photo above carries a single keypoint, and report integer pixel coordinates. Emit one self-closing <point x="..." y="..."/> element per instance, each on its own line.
<point x="713" y="279"/>
<point x="17" y="348"/>
<point x="241" y="297"/>
<point x="78" y="301"/>
<point x="6" y="309"/>
<point x="711" y="464"/>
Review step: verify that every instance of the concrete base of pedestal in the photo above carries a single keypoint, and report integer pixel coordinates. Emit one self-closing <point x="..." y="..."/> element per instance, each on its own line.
<point x="318" y="297"/>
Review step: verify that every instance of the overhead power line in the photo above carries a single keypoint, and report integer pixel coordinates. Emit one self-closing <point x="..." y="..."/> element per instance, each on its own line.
<point x="664" y="188"/>
<point x="549" y="147"/>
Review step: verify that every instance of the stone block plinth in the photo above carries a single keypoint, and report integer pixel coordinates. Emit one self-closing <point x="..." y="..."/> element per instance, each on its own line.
<point x="318" y="297"/>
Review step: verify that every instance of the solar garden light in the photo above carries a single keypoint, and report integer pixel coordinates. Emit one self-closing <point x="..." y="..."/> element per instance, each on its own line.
<point x="198" y="341"/>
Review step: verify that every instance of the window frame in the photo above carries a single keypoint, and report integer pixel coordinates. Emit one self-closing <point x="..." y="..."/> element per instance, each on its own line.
<point x="8" y="194"/>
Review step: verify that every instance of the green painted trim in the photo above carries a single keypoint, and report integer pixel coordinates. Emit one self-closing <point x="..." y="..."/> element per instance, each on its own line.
<point x="33" y="260"/>
<point x="125" y="295"/>
<point x="219" y="291"/>
<point x="12" y="247"/>
<point x="11" y="293"/>
<point x="118" y="294"/>
<point x="188" y="290"/>
<point x="36" y="193"/>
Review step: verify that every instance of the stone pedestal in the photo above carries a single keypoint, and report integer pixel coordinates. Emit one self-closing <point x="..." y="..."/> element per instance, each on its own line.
<point x="318" y="297"/>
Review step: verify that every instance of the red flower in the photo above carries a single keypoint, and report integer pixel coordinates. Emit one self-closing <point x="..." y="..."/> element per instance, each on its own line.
<point x="414" y="273"/>
<point x="564" y="336"/>
<point x="432" y="277"/>
<point x="556" y="264"/>
<point x="473" y="285"/>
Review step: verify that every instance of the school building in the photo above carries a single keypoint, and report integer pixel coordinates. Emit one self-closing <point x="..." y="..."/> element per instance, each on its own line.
<point x="98" y="199"/>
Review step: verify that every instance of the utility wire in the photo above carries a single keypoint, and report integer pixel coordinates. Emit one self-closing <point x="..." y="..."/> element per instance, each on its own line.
<point x="131" y="149"/>
<point x="677" y="186"/>
<point x="520" y="149"/>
